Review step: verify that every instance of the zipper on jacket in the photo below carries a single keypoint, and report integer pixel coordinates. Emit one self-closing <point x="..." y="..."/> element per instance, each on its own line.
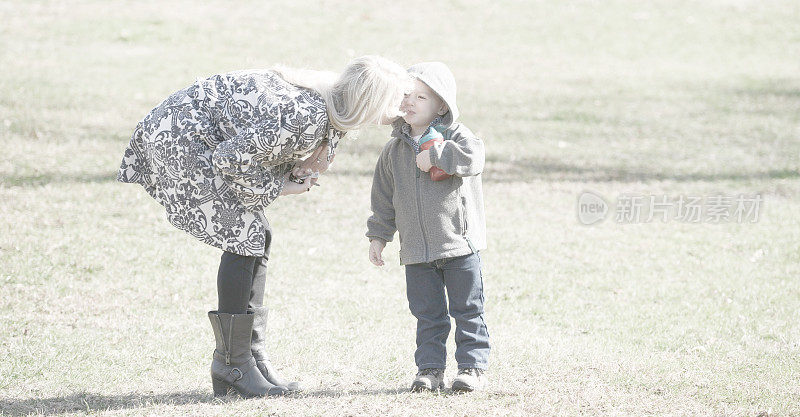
<point x="419" y="215"/>
<point x="463" y="212"/>
<point x="465" y="224"/>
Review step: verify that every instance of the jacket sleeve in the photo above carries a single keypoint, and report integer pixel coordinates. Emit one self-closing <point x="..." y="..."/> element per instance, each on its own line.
<point x="462" y="154"/>
<point x="241" y="162"/>
<point x="381" y="224"/>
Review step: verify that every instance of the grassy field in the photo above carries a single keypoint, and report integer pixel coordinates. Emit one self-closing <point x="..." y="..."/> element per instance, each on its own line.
<point x="103" y="303"/>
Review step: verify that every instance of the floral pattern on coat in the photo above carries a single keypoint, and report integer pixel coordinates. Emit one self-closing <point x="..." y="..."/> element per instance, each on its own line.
<point x="214" y="154"/>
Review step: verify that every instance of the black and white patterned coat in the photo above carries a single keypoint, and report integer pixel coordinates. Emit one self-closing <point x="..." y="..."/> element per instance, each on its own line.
<point x="215" y="153"/>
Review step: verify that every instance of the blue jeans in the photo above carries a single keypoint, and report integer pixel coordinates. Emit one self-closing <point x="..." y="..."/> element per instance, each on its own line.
<point x="425" y="286"/>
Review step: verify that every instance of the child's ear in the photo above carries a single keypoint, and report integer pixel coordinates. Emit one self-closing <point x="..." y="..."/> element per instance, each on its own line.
<point x="443" y="109"/>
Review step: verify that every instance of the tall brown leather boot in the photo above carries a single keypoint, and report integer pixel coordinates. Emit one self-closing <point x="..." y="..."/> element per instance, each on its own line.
<point x="233" y="366"/>
<point x="259" y="348"/>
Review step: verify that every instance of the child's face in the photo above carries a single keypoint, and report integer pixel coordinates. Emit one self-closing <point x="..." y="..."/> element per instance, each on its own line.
<point x="421" y="105"/>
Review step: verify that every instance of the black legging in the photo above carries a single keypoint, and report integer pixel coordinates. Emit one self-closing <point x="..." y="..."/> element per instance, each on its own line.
<point x="241" y="280"/>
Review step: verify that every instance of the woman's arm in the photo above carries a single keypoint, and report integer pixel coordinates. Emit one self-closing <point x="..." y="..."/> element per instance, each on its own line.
<point x="246" y="161"/>
<point x="255" y="185"/>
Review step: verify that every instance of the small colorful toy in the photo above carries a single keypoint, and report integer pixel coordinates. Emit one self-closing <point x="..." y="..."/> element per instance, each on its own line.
<point x="426" y="142"/>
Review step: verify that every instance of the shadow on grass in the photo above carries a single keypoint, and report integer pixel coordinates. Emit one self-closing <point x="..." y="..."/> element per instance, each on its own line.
<point x="532" y="169"/>
<point x="87" y="402"/>
<point x="330" y="393"/>
<point x="773" y="87"/>
<point x="404" y="390"/>
<point x="497" y="170"/>
<point x="527" y="169"/>
<point x="55" y="178"/>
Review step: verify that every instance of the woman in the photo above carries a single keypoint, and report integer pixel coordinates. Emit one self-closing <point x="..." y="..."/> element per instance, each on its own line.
<point x="218" y="152"/>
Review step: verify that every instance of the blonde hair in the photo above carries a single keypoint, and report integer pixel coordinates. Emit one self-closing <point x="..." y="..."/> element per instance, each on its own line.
<point x="369" y="90"/>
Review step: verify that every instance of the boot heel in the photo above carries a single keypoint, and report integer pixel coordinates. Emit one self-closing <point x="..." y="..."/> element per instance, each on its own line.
<point x="221" y="388"/>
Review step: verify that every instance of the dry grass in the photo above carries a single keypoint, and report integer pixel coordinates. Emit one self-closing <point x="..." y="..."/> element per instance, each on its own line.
<point x="103" y="303"/>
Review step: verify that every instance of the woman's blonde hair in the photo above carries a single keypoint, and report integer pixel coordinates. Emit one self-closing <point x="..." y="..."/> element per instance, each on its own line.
<point x="368" y="91"/>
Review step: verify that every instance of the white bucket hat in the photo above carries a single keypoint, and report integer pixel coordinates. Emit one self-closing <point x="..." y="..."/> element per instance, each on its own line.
<point x="439" y="78"/>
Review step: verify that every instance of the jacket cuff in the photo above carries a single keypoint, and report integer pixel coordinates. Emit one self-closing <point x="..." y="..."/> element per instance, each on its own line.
<point x="372" y="237"/>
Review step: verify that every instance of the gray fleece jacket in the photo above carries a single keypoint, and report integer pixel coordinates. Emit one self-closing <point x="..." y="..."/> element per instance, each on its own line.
<point x="435" y="219"/>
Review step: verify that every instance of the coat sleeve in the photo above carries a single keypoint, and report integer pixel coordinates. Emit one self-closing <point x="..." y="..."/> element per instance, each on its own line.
<point x="242" y="162"/>
<point x="462" y="154"/>
<point x="381" y="224"/>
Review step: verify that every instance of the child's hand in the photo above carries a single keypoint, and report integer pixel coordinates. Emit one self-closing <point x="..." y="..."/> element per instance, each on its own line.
<point x="375" y="249"/>
<point x="424" y="160"/>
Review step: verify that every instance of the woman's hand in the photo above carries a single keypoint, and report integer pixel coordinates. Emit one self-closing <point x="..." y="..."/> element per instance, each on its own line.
<point x="316" y="163"/>
<point x="291" y="187"/>
<point x="375" y="250"/>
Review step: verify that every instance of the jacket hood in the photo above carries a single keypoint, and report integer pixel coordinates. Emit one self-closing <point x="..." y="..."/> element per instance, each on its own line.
<point x="439" y="78"/>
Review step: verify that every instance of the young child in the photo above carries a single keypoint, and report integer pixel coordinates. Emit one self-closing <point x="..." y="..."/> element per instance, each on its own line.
<point x="441" y="227"/>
